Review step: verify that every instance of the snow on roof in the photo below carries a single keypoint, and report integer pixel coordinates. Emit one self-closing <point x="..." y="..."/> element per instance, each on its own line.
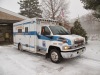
<point x="12" y="13"/>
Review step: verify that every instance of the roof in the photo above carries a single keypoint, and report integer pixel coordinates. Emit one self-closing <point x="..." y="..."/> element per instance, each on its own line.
<point x="35" y="19"/>
<point x="9" y="15"/>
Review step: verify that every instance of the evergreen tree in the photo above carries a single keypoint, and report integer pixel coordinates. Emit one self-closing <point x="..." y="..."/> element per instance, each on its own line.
<point x="92" y="5"/>
<point x="78" y="30"/>
<point x="30" y="8"/>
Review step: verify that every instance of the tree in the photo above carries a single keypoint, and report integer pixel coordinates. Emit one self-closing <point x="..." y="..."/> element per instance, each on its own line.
<point x="30" y="8"/>
<point x="53" y="8"/>
<point x="65" y="24"/>
<point x="78" y="30"/>
<point x="92" y="5"/>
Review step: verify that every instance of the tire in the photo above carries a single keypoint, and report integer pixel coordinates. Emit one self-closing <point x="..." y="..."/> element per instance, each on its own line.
<point x="19" y="47"/>
<point x="55" y="56"/>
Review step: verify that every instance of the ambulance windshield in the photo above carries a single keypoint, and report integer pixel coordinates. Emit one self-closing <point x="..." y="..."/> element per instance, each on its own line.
<point x="59" y="30"/>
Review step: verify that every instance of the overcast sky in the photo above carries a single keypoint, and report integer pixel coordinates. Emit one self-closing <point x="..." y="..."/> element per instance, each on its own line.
<point x="75" y="7"/>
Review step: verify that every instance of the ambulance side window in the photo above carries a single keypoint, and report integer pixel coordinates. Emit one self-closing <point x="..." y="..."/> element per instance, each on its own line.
<point x="19" y="30"/>
<point x="45" y="31"/>
<point x="26" y="29"/>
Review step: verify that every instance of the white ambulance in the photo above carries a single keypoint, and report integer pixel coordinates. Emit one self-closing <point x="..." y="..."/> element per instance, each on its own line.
<point x="46" y="37"/>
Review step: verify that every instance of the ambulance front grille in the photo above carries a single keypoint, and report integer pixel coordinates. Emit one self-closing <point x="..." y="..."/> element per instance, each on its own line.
<point x="77" y="44"/>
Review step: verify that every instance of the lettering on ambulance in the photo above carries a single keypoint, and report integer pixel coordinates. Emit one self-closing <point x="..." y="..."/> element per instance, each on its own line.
<point x="19" y="27"/>
<point x="43" y="43"/>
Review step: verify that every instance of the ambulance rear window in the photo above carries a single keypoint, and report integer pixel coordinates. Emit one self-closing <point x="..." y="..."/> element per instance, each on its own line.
<point x="26" y="29"/>
<point x="19" y="30"/>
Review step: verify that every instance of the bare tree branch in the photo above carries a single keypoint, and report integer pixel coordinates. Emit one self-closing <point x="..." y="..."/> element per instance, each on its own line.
<point x="54" y="8"/>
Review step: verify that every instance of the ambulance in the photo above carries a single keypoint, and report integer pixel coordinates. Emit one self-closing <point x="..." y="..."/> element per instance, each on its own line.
<point x="47" y="37"/>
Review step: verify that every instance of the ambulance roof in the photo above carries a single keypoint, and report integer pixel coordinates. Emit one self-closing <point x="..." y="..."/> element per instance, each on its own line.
<point x="35" y="19"/>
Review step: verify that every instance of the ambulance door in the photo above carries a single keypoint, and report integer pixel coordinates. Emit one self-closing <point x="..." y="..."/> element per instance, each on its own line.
<point x="43" y="39"/>
<point x="33" y="38"/>
<point x="25" y="38"/>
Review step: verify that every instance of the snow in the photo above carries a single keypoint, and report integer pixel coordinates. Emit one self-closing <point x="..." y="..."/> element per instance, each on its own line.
<point x="15" y="62"/>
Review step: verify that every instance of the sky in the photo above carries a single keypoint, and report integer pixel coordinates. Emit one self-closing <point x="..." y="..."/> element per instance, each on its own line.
<point x="75" y="7"/>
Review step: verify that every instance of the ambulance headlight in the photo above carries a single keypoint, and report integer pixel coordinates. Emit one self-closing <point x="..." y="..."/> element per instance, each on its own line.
<point x="65" y="47"/>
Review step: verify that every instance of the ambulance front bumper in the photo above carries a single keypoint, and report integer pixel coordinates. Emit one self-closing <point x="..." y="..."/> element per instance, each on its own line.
<point x="74" y="53"/>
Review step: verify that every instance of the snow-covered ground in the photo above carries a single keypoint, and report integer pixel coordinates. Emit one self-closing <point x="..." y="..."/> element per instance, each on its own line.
<point x="15" y="62"/>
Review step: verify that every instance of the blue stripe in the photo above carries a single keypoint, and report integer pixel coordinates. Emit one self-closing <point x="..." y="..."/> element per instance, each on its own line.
<point x="24" y="33"/>
<point x="25" y="23"/>
<point x="42" y="48"/>
<point x="25" y="45"/>
<point x="29" y="22"/>
<point x="54" y="38"/>
<point x="31" y="46"/>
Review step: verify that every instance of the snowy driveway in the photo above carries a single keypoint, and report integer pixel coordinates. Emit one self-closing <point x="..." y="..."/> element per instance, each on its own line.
<point x="14" y="62"/>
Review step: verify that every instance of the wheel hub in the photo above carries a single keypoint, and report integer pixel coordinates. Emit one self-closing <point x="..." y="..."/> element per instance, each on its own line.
<point x="54" y="56"/>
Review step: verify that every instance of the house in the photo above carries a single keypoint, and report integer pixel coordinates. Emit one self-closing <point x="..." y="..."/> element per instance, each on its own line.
<point x="7" y="18"/>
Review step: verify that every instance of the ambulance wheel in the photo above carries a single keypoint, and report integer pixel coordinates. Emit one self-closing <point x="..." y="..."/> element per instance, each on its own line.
<point x="55" y="56"/>
<point x="19" y="47"/>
